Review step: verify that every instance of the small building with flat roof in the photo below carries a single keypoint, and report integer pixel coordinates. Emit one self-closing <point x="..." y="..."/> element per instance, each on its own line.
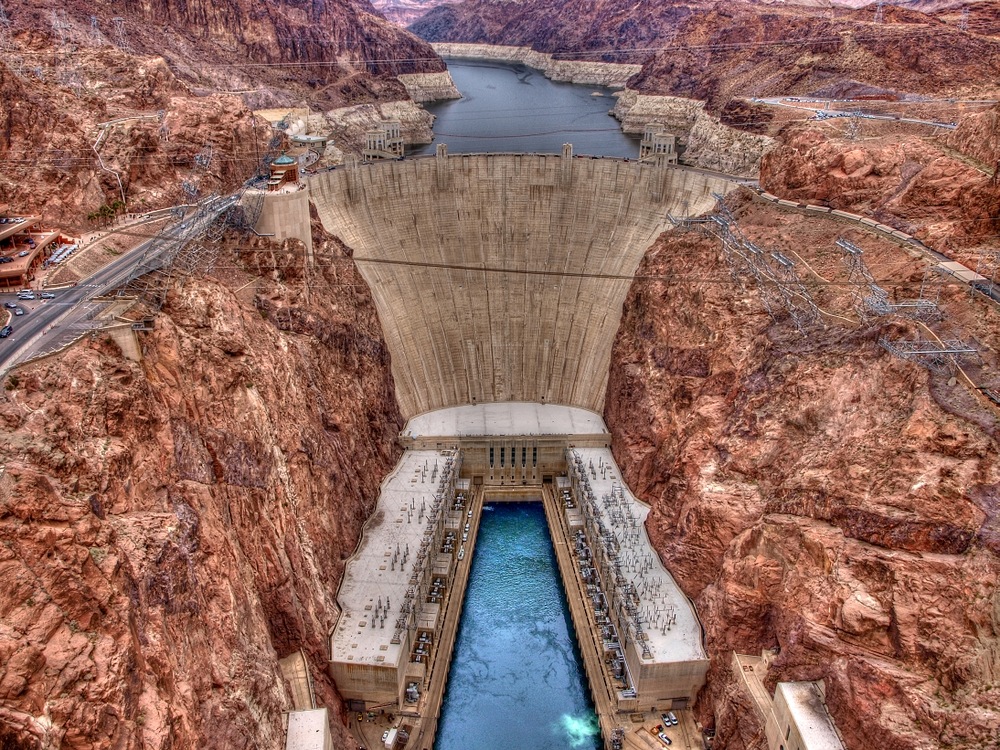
<point x="308" y="730"/>
<point x="800" y="720"/>
<point x="796" y="717"/>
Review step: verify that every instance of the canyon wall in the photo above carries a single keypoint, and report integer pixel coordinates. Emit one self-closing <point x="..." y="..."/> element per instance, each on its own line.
<point x="501" y="277"/>
<point x="574" y="71"/>
<point x="719" y="51"/>
<point x="923" y="186"/>
<point x="813" y="494"/>
<point x="173" y="527"/>
<point x="704" y="140"/>
<point x="194" y="71"/>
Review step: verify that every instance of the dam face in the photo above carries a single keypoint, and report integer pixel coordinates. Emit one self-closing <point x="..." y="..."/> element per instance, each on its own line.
<point x="501" y="277"/>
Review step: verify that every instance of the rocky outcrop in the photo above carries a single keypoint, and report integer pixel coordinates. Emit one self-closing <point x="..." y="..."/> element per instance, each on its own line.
<point x="151" y="155"/>
<point x="978" y="137"/>
<point x="906" y="182"/>
<point x="202" y="66"/>
<point x="572" y="71"/>
<point x="429" y="87"/>
<point x="557" y="26"/>
<point x="718" y="51"/>
<point x="813" y="495"/>
<point x="704" y="141"/>
<point x="172" y="528"/>
<point x="405" y="12"/>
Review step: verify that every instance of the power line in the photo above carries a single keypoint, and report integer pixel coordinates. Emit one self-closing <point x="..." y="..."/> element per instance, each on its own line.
<point x="716" y="46"/>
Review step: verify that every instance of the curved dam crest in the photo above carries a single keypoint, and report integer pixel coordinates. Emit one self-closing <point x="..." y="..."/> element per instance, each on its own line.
<point x="487" y="269"/>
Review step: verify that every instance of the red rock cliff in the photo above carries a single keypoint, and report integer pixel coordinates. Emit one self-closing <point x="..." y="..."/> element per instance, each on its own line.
<point x="173" y="527"/>
<point x="814" y="494"/>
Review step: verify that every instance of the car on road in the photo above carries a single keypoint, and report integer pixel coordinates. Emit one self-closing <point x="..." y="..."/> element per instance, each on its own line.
<point x="47" y="295"/>
<point x="9" y="305"/>
<point x="23" y="295"/>
<point x="6" y="259"/>
<point x="6" y="331"/>
<point x="19" y="311"/>
<point x="23" y="254"/>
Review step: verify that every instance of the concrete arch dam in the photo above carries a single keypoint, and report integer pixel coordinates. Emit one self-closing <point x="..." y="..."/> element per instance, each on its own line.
<point x="483" y="266"/>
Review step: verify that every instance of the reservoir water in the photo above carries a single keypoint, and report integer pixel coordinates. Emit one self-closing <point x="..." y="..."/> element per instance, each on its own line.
<point x="516" y="677"/>
<point x="511" y="108"/>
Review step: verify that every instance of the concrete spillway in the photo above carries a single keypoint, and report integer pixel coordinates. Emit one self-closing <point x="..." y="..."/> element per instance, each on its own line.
<point x="501" y="277"/>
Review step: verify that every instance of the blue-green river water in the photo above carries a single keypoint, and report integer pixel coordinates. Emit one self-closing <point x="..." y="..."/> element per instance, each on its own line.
<point x="517" y="680"/>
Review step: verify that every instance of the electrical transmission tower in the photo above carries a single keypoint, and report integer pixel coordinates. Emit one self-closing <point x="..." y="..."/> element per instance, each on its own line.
<point x="854" y="126"/>
<point x="66" y="70"/>
<point x="5" y="36"/>
<point x="940" y="356"/>
<point x="870" y="300"/>
<point x="773" y="273"/>
<point x="880" y="12"/>
<point x="121" y="35"/>
<point x="963" y="25"/>
<point x="95" y="32"/>
<point x="14" y="61"/>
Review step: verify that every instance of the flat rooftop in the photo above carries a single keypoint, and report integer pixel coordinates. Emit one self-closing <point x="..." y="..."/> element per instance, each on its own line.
<point x="20" y="265"/>
<point x="808" y="711"/>
<point x="669" y="619"/>
<point x="370" y="574"/>
<point x="307" y="730"/>
<point x="505" y="418"/>
<point x="16" y="224"/>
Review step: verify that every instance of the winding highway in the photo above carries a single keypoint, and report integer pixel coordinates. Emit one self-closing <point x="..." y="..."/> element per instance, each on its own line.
<point x="55" y="318"/>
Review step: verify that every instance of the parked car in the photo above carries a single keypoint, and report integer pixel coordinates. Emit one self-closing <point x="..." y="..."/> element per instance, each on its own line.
<point x="664" y="739"/>
<point x="6" y="331"/>
<point x="673" y="718"/>
<point x="19" y="311"/>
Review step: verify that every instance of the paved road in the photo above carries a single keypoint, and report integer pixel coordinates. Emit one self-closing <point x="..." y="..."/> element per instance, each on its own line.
<point x="70" y="308"/>
<point x="832" y="114"/>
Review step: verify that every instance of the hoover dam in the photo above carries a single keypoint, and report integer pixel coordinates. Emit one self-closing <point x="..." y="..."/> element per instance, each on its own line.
<point x="501" y="277"/>
<point x="499" y="281"/>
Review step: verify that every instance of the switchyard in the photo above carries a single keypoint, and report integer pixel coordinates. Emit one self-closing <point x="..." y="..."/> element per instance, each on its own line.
<point x="402" y="592"/>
